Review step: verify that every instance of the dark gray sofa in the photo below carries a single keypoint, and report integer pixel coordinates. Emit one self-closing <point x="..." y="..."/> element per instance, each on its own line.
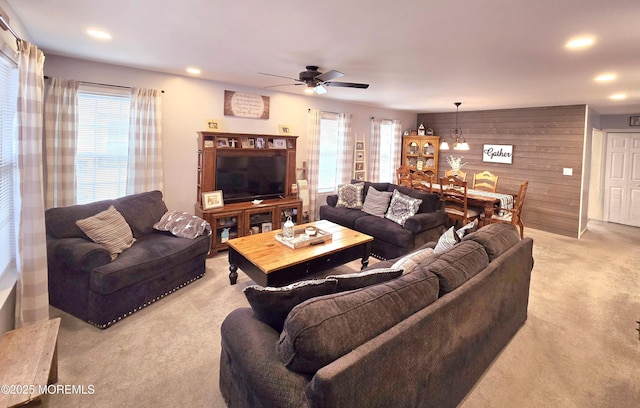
<point x="470" y="301"/>
<point x="84" y="282"/>
<point x="390" y="238"/>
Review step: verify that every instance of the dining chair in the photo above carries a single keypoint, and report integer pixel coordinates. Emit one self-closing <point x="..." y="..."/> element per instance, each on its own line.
<point x="403" y="174"/>
<point x="485" y="181"/>
<point x="461" y="174"/>
<point x="453" y="191"/>
<point x="513" y="215"/>
<point x="423" y="180"/>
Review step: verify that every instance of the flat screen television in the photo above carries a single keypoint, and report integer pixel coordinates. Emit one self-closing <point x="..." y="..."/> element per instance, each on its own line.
<point x="246" y="178"/>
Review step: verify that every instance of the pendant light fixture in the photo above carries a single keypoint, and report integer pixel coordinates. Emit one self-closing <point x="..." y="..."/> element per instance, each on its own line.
<point x="455" y="134"/>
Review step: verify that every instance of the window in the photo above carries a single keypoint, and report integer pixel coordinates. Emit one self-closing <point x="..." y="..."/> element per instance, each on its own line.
<point x="103" y="143"/>
<point x="329" y="148"/>
<point x="8" y="161"/>
<point x="387" y="151"/>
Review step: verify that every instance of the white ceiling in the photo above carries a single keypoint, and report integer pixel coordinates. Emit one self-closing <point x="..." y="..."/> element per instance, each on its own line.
<point x="417" y="55"/>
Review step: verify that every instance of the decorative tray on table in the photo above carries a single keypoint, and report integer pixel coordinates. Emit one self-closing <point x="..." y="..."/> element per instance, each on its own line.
<point x="301" y="239"/>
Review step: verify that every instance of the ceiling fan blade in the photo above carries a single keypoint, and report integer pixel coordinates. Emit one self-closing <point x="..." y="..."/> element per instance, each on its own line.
<point x="329" y="75"/>
<point x="273" y="86"/>
<point x="280" y="76"/>
<point x="347" y="84"/>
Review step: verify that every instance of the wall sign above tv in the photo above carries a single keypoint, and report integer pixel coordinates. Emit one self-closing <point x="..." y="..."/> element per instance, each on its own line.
<point x="246" y="105"/>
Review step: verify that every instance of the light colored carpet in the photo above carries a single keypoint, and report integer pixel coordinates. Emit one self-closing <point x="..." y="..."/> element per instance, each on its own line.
<point x="578" y="348"/>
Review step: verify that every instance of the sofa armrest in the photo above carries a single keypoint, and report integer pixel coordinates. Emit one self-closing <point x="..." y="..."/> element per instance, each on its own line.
<point x="425" y="221"/>
<point x="332" y="200"/>
<point x="77" y="253"/>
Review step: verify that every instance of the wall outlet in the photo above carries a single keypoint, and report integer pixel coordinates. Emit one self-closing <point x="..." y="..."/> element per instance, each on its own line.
<point x="567" y="171"/>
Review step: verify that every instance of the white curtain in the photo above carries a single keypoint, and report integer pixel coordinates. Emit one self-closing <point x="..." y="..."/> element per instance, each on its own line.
<point x="61" y="129"/>
<point x="32" y="302"/>
<point x="313" y="161"/>
<point x="345" y="150"/>
<point x="374" y="165"/>
<point x="144" y="171"/>
<point x="396" y="146"/>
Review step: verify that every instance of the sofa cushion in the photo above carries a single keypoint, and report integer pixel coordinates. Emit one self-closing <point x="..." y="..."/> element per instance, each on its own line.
<point x="402" y="207"/>
<point x="350" y="195"/>
<point x="358" y="280"/>
<point x="61" y="222"/>
<point x="272" y="305"/>
<point x="183" y="225"/>
<point x="377" y="186"/>
<point x="323" y="329"/>
<point x="457" y="265"/>
<point x="377" y="202"/>
<point x="141" y="211"/>
<point x="110" y="229"/>
<point x="496" y="238"/>
<point x="409" y="262"/>
<point x="385" y="230"/>
<point x="447" y="240"/>
<point x="343" y="216"/>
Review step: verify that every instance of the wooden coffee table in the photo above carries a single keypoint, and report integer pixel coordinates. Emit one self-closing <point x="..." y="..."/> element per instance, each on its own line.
<point x="271" y="263"/>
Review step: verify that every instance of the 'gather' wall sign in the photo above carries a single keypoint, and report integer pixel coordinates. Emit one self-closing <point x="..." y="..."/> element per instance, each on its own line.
<point x="497" y="153"/>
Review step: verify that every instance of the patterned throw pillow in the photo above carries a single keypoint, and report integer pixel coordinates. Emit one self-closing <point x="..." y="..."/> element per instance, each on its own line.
<point x="467" y="229"/>
<point x="376" y="202"/>
<point x="446" y="240"/>
<point x="183" y="225"/>
<point x="110" y="229"/>
<point x="350" y="195"/>
<point x="409" y="262"/>
<point x="402" y="207"/>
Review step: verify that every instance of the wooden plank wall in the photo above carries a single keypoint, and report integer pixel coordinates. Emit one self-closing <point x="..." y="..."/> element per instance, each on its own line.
<point x="545" y="140"/>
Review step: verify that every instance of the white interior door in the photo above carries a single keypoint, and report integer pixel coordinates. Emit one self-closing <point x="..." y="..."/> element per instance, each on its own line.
<point x="622" y="178"/>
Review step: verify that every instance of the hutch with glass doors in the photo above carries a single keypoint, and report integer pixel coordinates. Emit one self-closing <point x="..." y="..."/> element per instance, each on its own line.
<point x="420" y="152"/>
<point x="255" y="174"/>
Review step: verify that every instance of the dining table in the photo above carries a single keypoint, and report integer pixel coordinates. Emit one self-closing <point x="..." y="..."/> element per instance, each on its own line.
<point x="489" y="201"/>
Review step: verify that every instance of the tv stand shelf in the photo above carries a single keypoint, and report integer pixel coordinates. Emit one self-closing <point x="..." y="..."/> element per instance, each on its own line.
<point x="217" y="151"/>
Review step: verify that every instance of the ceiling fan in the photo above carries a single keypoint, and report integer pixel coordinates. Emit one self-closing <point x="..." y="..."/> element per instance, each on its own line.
<point x="317" y="81"/>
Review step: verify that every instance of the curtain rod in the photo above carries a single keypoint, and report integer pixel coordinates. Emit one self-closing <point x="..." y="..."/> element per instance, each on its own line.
<point x="100" y="84"/>
<point x="4" y="23"/>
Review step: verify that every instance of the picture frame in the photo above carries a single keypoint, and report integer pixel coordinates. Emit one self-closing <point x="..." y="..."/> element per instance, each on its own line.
<point x="359" y="175"/>
<point x="244" y="142"/>
<point x="289" y="143"/>
<point x="634" y="120"/>
<point x="359" y="145"/>
<point x="267" y="226"/>
<point x="359" y="156"/>
<point x="359" y="166"/>
<point x="222" y="142"/>
<point x="213" y="125"/>
<point x="260" y="143"/>
<point x="208" y="143"/>
<point x="212" y="199"/>
<point x="284" y="130"/>
<point x="279" y="143"/>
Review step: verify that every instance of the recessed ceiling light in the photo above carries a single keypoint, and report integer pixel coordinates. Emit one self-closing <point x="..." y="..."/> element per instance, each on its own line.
<point x="618" y="97"/>
<point x="194" y="71"/>
<point x="581" y="42"/>
<point x="99" y="34"/>
<point x="605" y="77"/>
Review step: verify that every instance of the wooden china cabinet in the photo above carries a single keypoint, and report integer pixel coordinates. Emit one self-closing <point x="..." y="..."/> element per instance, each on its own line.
<point x="420" y="152"/>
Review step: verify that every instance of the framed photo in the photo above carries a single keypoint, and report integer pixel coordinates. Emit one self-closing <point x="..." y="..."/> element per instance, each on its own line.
<point x="279" y="144"/>
<point x="245" y="143"/>
<point x="266" y="226"/>
<point x="260" y="143"/>
<point x="208" y="143"/>
<point x="284" y="130"/>
<point x="233" y="143"/>
<point x="359" y="175"/>
<point x="222" y="142"/>
<point x="213" y="125"/>
<point x="359" y="166"/>
<point x="359" y="145"/>
<point x="212" y="199"/>
<point x="497" y="153"/>
<point x="290" y="143"/>
<point x="359" y="156"/>
<point x="634" y="120"/>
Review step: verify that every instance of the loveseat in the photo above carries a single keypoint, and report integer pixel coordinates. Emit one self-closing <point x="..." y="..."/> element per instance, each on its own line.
<point x="87" y="281"/>
<point x="419" y="340"/>
<point x="391" y="238"/>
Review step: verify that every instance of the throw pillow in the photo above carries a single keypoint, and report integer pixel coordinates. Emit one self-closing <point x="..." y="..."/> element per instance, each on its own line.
<point x="376" y="202"/>
<point x="409" y="262"/>
<point x="350" y="195"/>
<point x="357" y="280"/>
<point x="467" y="229"/>
<point x="446" y="241"/>
<point x="402" y="207"/>
<point x="110" y="229"/>
<point x="183" y="225"/>
<point x="272" y="305"/>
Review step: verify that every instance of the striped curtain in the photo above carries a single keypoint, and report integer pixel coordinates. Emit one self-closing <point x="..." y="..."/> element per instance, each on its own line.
<point x="313" y="157"/>
<point x="144" y="171"/>
<point x="345" y="149"/>
<point x="61" y="129"/>
<point x="374" y="165"/>
<point x="396" y="146"/>
<point x="32" y="295"/>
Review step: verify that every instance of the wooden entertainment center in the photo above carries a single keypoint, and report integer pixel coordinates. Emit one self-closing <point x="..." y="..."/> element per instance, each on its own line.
<point x="245" y="218"/>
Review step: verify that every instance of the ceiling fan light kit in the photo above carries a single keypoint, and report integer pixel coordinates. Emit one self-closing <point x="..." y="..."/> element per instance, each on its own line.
<point x="317" y="80"/>
<point x="455" y="134"/>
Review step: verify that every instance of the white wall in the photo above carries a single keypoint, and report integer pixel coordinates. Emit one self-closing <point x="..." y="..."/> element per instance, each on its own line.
<point x="187" y="104"/>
